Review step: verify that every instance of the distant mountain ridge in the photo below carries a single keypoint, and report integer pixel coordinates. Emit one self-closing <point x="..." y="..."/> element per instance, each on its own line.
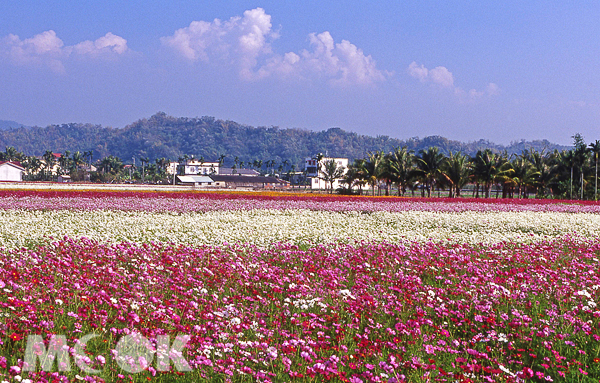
<point x="172" y="137"/>
<point x="5" y="124"/>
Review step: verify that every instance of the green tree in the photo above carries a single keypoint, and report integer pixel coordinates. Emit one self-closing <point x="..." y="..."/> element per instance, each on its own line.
<point x="487" y="170"/>
<point x="580" y="160"/>
<point x="331" y="172"/>
<point x="457" y="169"/>
<point x="522" y="174"/>
<point x="373" y="168"/>
<point x="33" y="167"/>
<point x="356" y="174"/>
<point x="400" y="167"/>
<point x="12" y="154"/>
<point x="545" y="170"/>
<point x="50" y="161"/>
<point x="430" y="167"/>
<point x="595" y="149"/>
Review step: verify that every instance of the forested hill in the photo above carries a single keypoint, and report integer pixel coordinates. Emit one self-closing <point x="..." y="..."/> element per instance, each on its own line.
<point x="4" y="124"/>
<point x="170" y="137"/>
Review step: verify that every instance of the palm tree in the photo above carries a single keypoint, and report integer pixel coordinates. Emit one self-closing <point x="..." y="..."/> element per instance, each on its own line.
<point x="487" y="170"/>
<point x="50" y="160"/>
<point x="33" y="165"/>
<point x="373" y="168"/>
<point x="400" y="167"/>
<point x="12" y="154"/>
<point x="89" y="154"/>
<point x="581" y="157"/>
<point x="331" y="172"/>
<point x="111" y="164"/>
<point x="541" y="163"/>
<point x="356" y="174"/>
<point x="270" y="164"/>
<point x="76" y="160"/>
<point x="457" y="169"/>
<point x="222" y="159"/>
<point x="595" y="149"/>
<point x="258" y="165"/>
<point x="429" y="164"/>
<point x="523" y="174"/>
<point x="162" y="163"/>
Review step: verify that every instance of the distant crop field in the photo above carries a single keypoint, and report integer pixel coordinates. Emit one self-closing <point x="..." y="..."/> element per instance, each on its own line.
<point x="186" y="286"/>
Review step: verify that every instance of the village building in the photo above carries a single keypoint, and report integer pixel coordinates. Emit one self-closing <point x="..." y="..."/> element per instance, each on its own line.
<point x="194" y="166"/>
<point x="198" y="181"/>
<point x="250" y="182"/>
<point x="11" y="171"/>
<point x="315" y="175"/>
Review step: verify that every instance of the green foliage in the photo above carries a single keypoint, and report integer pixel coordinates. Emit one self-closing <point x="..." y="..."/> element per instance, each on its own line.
<point x="170" y="137"/>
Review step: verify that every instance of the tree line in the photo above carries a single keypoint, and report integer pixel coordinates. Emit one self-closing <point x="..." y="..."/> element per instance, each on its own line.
<point x="563" y="174"/>
<point x="80" y="166"/>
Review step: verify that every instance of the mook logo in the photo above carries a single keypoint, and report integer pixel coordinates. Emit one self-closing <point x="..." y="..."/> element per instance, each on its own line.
<point x="133" y="353"/>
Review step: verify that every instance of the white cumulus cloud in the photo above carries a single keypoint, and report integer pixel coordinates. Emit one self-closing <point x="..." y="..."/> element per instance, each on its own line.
<point x="105" y="44"/>
<point x="48" y="49"/>
<point x="419" y="72"/>
<point x="343" y="62"/>
<point x="246" y="42"/>
<point x="242" y="39"/>
<point x="441" y="76"/>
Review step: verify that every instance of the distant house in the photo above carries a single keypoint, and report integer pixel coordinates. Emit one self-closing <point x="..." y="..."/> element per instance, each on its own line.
<point x="254" y="182"/>
<point x="11" y="171"/>
<point x="55" y="167"/>
<point x="197" y="181"/>
<point x="196" y="167"/>
<point x="64" y="178"/>
<point x="314" y="172"/>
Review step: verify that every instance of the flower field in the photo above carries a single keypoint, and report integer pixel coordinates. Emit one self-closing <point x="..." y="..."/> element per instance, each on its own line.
<point x="298" y="288"/>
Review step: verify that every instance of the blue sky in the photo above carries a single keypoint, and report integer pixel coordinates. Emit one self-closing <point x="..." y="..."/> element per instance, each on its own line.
<point x="466" y="70"/>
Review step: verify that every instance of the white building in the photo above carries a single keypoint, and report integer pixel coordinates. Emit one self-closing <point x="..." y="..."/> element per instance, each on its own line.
<point x="314" y="172"/>
<point x="194" y="166"/>
<point x="197" y="181"/>
<point x="10" y="171"/>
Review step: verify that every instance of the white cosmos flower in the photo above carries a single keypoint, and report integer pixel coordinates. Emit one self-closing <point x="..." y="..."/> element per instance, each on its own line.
<point x="263" y="227"/>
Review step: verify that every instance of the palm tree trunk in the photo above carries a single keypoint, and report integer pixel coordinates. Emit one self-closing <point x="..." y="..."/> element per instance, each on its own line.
<point x="581" y="184"/>
<point x="571" y="188"/>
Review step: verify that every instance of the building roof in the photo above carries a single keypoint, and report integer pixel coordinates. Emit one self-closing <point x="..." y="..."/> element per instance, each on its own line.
<point x="247" y="179"/>
<point x="195" y="179"/>
<point x="14" y="164"/>
<point x="243" y="172"/>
